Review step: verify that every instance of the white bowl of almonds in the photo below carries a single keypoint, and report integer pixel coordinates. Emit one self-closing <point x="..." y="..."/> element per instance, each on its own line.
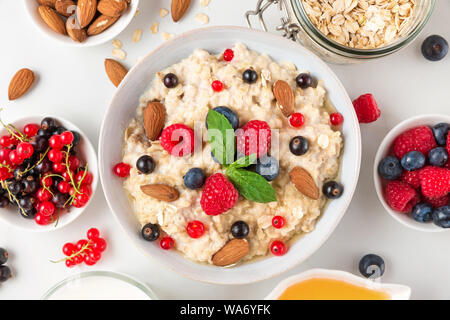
<point x="81" y="23"/>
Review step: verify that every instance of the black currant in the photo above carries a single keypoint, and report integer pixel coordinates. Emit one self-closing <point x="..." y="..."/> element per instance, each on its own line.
<point x="240" y="229"/>
<point x="145" y="164"/>
<point x="5" y="273"/>
<point x="332" y="190"/>
<point x="47" y="123"/>
<point x="304" y="80"/>
<point x="170" y="80"/>
<point x="150" y="232"/>
<point x="3" y="256"/>
<point x="299" y="145"/>
<point x="250" y="76"/>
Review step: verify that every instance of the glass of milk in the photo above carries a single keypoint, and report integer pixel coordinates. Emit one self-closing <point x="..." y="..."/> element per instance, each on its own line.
<point x="99" y="285"/>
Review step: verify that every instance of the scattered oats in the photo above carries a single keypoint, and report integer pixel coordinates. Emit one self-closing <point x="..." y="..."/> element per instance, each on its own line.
<point x="163" y="12"/>
<point x="117" y="43"/>
<point x="166" y="36"/>
<point x="154" y="28"/>
<point x="204" y="3"/>
<point x="137" y="12"/>
<point x="119" y="54"/>
<point x="137" y="34"/>
<point x="202" y="18"/>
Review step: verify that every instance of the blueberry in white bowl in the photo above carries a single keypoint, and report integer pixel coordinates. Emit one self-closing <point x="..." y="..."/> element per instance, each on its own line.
<point x="441" y="217"/>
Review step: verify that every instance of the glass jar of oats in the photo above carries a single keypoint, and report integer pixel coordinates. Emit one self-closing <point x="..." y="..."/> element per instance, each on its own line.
<point x="349" y="31"/>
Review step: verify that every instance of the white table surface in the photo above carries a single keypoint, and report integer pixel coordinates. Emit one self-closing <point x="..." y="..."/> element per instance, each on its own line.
<point x="72" y="84"/>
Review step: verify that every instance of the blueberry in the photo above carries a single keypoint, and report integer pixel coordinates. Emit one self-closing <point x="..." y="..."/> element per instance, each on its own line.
<point x="422" y="212"/>
<point x="440" y="132"/>
<point x="145" y="164"/>
<point x="150" y="232"/>
<point x="229" y="114"/>
<point x="268" y="167"/>
<point x="371" y="266"/>
<point x="48" y="123"/>
<point x="441" y="217"/>
<point x="76" y="138"/>
<point x="434" y="48"/>
<point x="304" y="80"/>
<point x="390" y="168"/>
<point x="438" y="156"/>
<point x="194" y="178"/>
<point x="3" y="256"/>
<point x="249" y="76"/>
<point x="299" y="145"/>
<point x="5" y="273"/>
<point x="332" y="190"/>
<point x="413" y="160"/>
<point x="240" y="229"/>
<point x="170" y="80"/>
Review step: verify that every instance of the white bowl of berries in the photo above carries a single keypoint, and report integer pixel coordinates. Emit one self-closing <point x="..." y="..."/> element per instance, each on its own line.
<point x="412" y="173"/>
<point x="48" y="173"/>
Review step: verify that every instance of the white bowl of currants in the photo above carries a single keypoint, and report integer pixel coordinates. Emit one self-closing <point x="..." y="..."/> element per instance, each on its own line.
<point x="48" y="173"/>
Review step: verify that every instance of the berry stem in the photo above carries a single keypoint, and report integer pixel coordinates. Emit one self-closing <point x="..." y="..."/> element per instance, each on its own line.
<point x="73" y="255"/>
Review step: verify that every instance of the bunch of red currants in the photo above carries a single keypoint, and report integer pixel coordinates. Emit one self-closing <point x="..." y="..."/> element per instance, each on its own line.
<point x="88" y="251"/>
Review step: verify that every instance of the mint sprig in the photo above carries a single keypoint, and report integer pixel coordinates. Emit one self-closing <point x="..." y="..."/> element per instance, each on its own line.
<point x="250" y="185"/>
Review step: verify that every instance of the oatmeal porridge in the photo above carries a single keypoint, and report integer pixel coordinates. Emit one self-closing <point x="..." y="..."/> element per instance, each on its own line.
<point x="205" y="220"/>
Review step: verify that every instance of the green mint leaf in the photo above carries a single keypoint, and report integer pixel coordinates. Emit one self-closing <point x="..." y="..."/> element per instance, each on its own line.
<point x="221" y="136"/>
<point x="251" y="185"/>
<point x="244" y="162"/>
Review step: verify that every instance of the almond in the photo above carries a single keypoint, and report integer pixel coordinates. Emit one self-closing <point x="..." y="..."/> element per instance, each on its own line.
<point x="231" y="253"/>
<point x="285" y="97"/>
<point x="20" y="83"/>
<point x="49" y="3"/>
<point x="52" y="19"/>
<point x="86" y="10"/>
<point x="179" y="8"/>
<point x="101" y="24"/>
<point x="161" y="192"/>
<point x="112" y="8"/>
<point x="304" y="183"/>
<point x="74" y="30"/>
<point x="154" y="119"/>
<point x="66" y="8"/>
<point x="115" y="71"/>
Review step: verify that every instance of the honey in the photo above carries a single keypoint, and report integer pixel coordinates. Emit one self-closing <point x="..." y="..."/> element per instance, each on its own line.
<point x="330" y="289"/>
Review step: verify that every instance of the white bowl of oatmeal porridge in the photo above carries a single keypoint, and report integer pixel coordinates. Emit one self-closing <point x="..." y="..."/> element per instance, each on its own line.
<point x="188" y="54"/>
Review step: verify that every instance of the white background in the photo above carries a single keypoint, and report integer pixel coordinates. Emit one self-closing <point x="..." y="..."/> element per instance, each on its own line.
<point x="71" y="83"/>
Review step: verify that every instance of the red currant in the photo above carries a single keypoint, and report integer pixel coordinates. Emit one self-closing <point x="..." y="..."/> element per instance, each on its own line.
<point x="25" y="150"/>
<point x="14" y="140"/>
<point x="95" y="255"/>
<point x="66" y="175"/>
<point x="64" y="187"/>
<point x="46" y="208"/>
<point x="77" y="204"/>
<point x="167" y="243"/>
<point x="74" y="162"/>
<point x="55" y="155"/>
<point x="86" y="189"/>
<point x="217" y="86"/>
<point x="336" y="119"/>
<point x="83" y="198"/>
<point x="78" y="259"/>
<point x="4" y="154"/>
<point x="46" y="181"/>
<point x="70" y="263"/>
<point x="5" y="141"/>
<point x="84" y="178"/>
<point x="122" y="170"/>
<point x="55" y="142"/>
<point x="297" y="120"/>
<point x="15" y="158"/>
<point x="42" y="220"/>
<point x="278" y="248"/>
<point x="93" y="233"/>
<point x="228" y="55"/>
<point x="89" y="261"/>
<point x="31" y="129"/>
<point x="4" y="173"/>
<point x="59" y="167"/>
<point x="69" y="248"/>
<point x="195" y="229"/>
<point x="81" y="244"/>
<point x="278" y="222"/>
<point x="66" y="137"/>
<point x="43" y="195"/>
<point x="99" y="244"/>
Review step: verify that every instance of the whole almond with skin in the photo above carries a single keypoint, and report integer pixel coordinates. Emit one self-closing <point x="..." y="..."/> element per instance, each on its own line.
<point x="20" y="83"/>
<point x="304" y="183"/>
<point x="154" y="119"/>
<point x="74" y="30"/>
<point x="112" y="8"/>
<point x="115" y="71"/>
<point x="179" y="8"/>
<point x="285" y="97"/>
<point x="231" y="253"/>
<point x="86" y="10"/>
<point x="161" y="192"/>
<point x="66" y="8"/>
<point x="101" y="24"/>
<point x="52" y="19"/>
<point x="49" y="3"/>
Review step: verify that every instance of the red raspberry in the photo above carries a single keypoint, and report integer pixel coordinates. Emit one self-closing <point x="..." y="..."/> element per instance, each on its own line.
<point x="254" y="137"/>
<point x="366" y="108"/>
<point x="218" y="196"/>
<point x="439" y="202"/>
<point x="412" y="178"/>
<point x="435" y="182"/>
<point x="416" y="139"/>
<point x="178" y="140"/>
<point x="400" y="196"/>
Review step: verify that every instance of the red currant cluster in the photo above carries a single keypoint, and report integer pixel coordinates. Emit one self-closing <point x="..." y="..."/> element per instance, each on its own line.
<point x="87" y="250"/>
<point x="40" y="171"/>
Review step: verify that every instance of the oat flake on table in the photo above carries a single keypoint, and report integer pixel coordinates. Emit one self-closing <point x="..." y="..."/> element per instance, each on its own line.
<point x="361" y="24"/>
<point x="154" y="28"/>
<point x="163" y="12"/>
<point x="202" y="18"/>
<point x="119" y="54"/>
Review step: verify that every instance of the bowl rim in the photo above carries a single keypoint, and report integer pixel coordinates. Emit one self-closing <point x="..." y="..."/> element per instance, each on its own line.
<point x="383" y="148"/>
<point x="75" y="212"/>
<point x="85" y="44"/>
<point x="355" y="130"/>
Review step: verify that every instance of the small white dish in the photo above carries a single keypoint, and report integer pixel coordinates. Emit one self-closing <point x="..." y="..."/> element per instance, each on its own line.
<point x="385" y="149"/>
<point x="31" y="7"/>
<point x="85" y="151"/>
<point x="123" y="109"/>
<point x="395" y="291"/>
